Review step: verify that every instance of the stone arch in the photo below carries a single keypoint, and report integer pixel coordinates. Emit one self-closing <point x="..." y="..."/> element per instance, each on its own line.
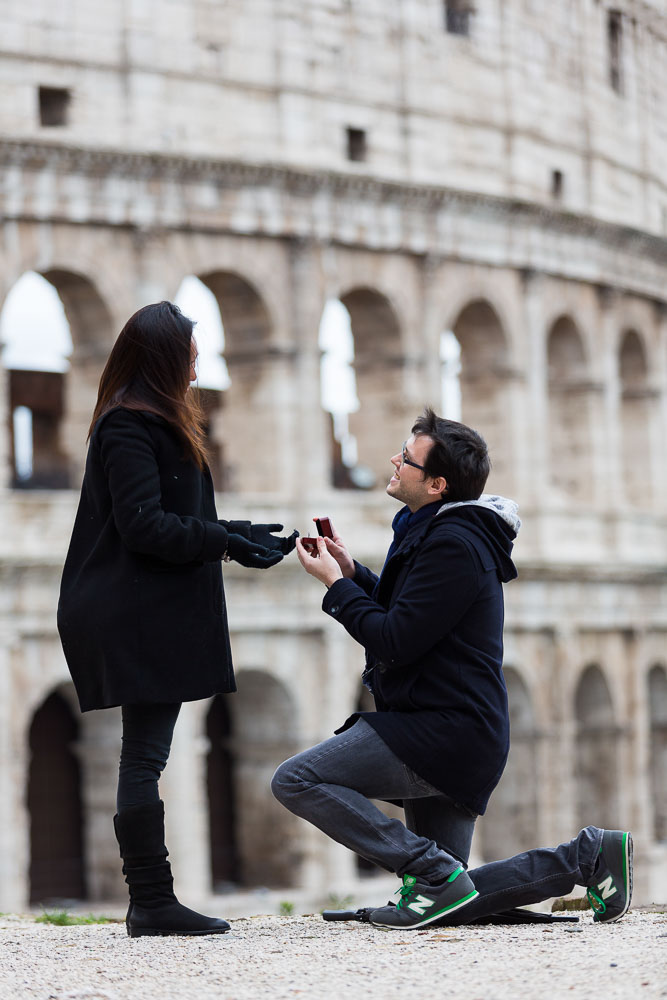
<point x="596" y="751"/>
<point x="258" y="371"/>
<point x="511" y="818"/>
<point x="635" y="420"/>
<point x="54" y="800"/>
<point x="381" y="423"/>
<point x="569" y="403"/>
<point x="485" y="383"/>
<point x="263" y="721"/>
<point x="657" y="700"/>
<point x="93" y="334"/>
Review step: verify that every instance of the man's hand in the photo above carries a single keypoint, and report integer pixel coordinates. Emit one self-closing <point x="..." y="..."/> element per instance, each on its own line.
<point x="324" y="567"/>
<point x="336" y="548"/>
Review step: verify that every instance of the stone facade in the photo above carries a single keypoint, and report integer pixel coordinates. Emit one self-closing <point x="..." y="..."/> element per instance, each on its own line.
<point x="212" y="139"/>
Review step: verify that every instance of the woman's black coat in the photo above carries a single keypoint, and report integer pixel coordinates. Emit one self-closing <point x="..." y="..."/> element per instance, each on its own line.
<point x="432" y="627"/>
<point x="142" y="611"/>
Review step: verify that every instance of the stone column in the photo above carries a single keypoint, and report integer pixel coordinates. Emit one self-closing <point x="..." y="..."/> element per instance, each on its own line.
<point x="14" y="818"/>
<point x="606" y="442"/>
<point x="98" y="750"/>
<point x="81" y="388"/>
<point x="183" y="789"/>
<point x="532" y="467"/>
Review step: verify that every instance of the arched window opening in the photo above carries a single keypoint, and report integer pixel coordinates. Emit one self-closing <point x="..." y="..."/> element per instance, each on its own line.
<point x="657" y="699"/>
<point x="57" y="872"/>
<point x="339" y="396"/>
<point x="635" y="421"/>
<point x="199" y="303"/>
<point x="484" y="384"/>
<point x="263" y="735"/>
<point x="596" y="752"/>
<point x="221" y="799"/>
<point x="569" y="397"/>
<point x="37" y="343"/>
<point x="509" y="823"/>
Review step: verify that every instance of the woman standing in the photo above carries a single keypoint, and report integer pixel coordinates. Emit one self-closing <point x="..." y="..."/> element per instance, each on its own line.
<point x="142" y="614"/>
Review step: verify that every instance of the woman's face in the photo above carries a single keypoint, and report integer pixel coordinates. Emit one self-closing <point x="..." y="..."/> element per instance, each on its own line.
<point x="193" y="360"/>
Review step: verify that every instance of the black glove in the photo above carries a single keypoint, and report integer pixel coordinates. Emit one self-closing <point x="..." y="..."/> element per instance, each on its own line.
<point x="250" y="554"/>
<point x="262" y="534"/>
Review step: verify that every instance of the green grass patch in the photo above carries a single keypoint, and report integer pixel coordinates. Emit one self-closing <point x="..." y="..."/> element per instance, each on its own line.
<point x="286" y="909"/>
<point x="64" y="919"/>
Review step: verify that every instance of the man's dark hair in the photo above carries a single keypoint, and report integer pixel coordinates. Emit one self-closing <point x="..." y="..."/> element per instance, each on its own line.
<point x="458" y="453"/>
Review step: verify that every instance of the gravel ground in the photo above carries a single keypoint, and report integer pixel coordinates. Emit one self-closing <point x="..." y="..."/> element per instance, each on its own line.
<point x="304" y="957"/>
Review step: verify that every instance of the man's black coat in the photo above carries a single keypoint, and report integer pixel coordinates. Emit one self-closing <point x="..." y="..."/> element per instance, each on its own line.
<point x="432" y="628"/>
<point x="142" y="611"/>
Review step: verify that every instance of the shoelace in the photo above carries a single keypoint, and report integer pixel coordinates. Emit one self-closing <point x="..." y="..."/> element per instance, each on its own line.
<point x="404" y="891"/>
<point x="595" y="902"/>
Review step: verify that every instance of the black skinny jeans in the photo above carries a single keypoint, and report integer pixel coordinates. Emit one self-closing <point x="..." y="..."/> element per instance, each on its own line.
<point x="146" y="742"/>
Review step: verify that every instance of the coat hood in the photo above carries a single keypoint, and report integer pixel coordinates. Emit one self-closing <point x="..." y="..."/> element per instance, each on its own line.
<point x="495" y="520"/>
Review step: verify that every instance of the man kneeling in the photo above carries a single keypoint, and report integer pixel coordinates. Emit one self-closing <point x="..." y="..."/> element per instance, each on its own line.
<point x="432" y="628"/>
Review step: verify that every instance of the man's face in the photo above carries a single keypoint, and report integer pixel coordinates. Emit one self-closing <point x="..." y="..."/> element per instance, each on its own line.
<point x="408" y="483"/>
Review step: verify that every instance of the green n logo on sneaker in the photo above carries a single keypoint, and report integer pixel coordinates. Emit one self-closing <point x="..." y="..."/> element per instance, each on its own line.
<point x="420" y="904"/>
<point x="607" y="887"/>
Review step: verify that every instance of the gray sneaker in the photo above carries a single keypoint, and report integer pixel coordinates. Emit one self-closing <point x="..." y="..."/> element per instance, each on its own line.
<point x="421" y="904"/>
<point x="611" y="890"/>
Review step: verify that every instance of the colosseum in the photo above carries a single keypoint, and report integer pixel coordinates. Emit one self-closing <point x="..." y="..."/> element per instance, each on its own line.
<point x="489" y="169"/>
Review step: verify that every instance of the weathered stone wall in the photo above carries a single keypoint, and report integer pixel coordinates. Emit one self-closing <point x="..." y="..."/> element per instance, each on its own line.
<point x="526" y="94"/>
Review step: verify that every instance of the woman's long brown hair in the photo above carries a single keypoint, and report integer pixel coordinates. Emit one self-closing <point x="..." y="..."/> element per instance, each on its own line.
<point x="149" y="369"/>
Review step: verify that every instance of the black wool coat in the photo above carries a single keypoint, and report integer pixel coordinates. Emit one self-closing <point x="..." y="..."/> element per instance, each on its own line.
<point x="141" y="613"/>
<point x="432" y="628"/>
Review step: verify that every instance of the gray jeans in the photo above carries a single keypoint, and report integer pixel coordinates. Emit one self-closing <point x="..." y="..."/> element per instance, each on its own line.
<point x="331" y="784"/>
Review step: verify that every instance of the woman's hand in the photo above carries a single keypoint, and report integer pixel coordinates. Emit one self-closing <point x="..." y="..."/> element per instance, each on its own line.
<point x="324" y="566"/>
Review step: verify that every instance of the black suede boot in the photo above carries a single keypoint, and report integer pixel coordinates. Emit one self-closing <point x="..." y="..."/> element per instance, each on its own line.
<point x="154" y="909"/>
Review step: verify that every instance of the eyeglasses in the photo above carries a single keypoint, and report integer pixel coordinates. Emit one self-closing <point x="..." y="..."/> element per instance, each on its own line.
<point x="406" y="460"/>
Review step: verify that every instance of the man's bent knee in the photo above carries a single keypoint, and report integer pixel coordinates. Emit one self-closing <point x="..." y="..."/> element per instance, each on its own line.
<point x="284" y="781"/>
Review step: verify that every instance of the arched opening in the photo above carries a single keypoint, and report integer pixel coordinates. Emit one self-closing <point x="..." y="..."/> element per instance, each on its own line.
<point x="569" y="424"/>
<point x="57" y="870"/>
<point x="221" y="801"/>
<point x="36" y="340"/>
<point x="484" y="384"/>
<point x="635" y="420"/>
<point x="247" y="420"/>
<point x="338" y="390"/>
<point x="511" y="818"/>
<point x="381" y="422"/>
<point x="596" y="750"/>
<point x="657" y="699"/>
<point x="263" y="723"/>
<point x="199" y="303"/>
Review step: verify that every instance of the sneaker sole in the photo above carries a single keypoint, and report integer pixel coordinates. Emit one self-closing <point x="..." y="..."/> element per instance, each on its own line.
<point x="434" y="916"/>
<point x="627" y="879"/>
<point x="155" y="932"/>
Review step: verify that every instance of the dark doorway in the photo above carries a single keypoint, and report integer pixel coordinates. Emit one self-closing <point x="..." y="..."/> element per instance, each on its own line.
<point x="219" y="780"/>
<point x="54" y="802"/>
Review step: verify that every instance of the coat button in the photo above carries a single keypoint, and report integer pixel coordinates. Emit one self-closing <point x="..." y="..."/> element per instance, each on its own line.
<point x="334" y="609"/>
